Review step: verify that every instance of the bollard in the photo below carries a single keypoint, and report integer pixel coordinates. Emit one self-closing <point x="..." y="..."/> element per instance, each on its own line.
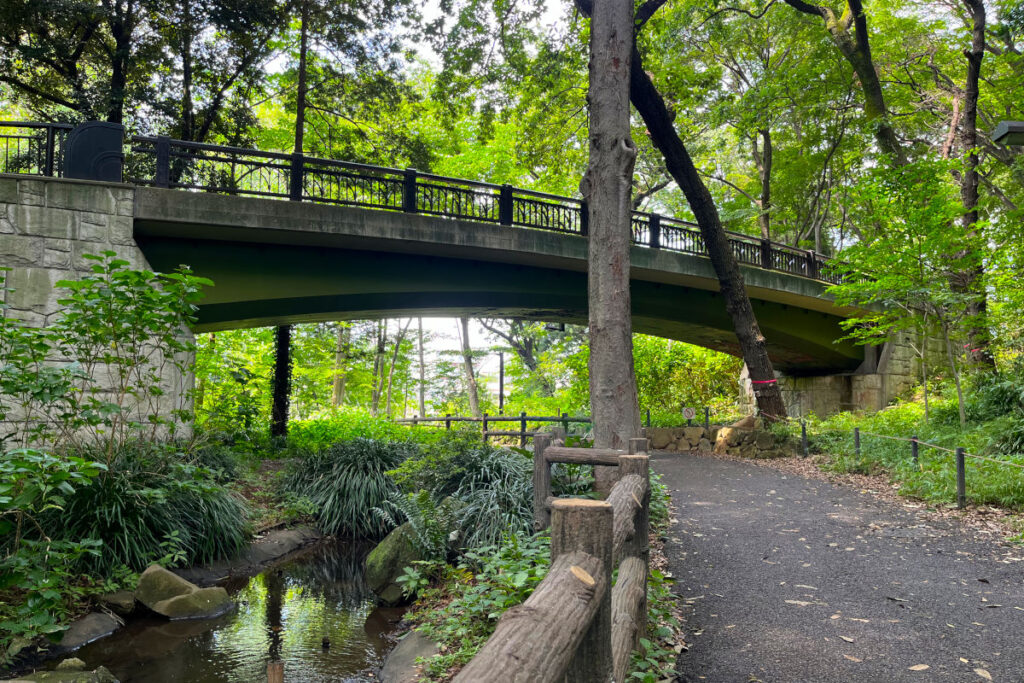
<point x="961" y="479"/>
<point x="803" y="437"/>
<point x="856" y="441"/>
<point x="913" y="448"/>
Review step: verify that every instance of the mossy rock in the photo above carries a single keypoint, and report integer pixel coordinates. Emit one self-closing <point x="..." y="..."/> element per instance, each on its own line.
<point x="386" y="562"/>
<point x="157" y="584"/>
<point x="100" y="675"/>
<point x="202" y="603"/>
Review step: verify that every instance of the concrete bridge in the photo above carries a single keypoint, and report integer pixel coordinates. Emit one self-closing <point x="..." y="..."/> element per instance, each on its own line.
<point x="423" y="246"/>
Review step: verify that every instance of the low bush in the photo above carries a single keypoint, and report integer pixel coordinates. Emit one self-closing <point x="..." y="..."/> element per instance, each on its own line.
<point x="346" y="481"/>
<point x="150" y="501"/>
<point x="331" y="427"/>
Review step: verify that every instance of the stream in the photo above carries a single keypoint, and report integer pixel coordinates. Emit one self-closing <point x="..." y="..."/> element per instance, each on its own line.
<point x="283" y="614"/>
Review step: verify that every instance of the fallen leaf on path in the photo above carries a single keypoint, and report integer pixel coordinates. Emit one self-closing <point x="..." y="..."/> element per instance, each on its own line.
<point x="920" y="667"/>
<point x="847" y="639"/>
<point x="801" y="603"/>
<point x="984" y="674"/>
<point x="852" y="658"/>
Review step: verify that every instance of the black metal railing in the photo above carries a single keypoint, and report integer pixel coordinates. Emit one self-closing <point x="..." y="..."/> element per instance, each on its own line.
<point x="37" y="149"/>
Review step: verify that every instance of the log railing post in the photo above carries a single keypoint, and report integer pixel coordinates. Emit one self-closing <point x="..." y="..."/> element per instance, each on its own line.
<point x="583" y="525"/>
<point x="541" y="483"/>
<point x="640" y="464"/>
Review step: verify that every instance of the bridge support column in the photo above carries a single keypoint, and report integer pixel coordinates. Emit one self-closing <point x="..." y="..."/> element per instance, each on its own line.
<point x="46" y="225"/>
<point x="888" y="372"/>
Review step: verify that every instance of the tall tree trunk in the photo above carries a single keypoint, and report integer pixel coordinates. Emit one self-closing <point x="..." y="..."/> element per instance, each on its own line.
<point x="607" y="187"/>
<point x="969" y="280"/>
<point x="300" y="96"/>
<point x="467" y="365"/>
<point x="340" y="358"/>
<point x="282" y="383"/>
<point x="187" y="105"/>
<point x="655" y="113"/>
<point x="423" y="373"/>
<point x="394" y="359"/>
<point x="378" y="367"/>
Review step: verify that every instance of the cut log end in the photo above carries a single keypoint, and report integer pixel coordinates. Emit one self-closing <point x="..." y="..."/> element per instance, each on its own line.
<point x="570" y="503"/>
<point x="581" y="574"/>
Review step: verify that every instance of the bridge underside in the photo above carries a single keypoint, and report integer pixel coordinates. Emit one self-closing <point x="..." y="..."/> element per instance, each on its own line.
<point x="270" y="284"/>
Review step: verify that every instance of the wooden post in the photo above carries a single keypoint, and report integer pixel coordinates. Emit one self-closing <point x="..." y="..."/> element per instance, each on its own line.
<point x="485" y="428"/>
<point x="856" y="441"/>
<point x="707" y="421"/>
<point x="541" y="483"/>
<point x="275" y="672"/>
<point x="501" y="382"/>
<point x="447" y="423"/>
<point x="522" y="429"/>
<point x="565" y="423"/>
<point x="803" y="438"/>
<point x="913" y="448"/>
<point x="582" y="525"/>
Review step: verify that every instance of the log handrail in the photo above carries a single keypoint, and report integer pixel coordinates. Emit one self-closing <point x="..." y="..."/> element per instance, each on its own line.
<point x="574" y="628"/>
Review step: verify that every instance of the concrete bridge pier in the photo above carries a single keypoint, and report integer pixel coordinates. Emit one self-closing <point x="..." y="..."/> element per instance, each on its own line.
<point x="888" y="372"/>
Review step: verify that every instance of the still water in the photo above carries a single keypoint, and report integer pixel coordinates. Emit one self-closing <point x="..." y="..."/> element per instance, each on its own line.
<point x="283" y="614"/>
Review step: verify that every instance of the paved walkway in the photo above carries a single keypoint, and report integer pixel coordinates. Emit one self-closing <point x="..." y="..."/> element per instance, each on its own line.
<point x="788" y="579"/>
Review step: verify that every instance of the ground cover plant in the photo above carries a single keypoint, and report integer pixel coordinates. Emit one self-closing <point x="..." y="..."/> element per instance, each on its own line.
<point x="994" y="407"/>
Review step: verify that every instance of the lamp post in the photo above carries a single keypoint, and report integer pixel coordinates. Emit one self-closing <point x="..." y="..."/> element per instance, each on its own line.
<point x="1009" y="133"/>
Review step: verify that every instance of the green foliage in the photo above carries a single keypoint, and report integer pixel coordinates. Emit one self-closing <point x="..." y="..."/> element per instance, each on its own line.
<point x="332" y="427"/>
<point x="38" y="577"/>
<point x="432" y="522"/>
<point x="474" y="594"/>
<point x="148" y="503"/>
<point x="348" y="480"/>
<point x="493" y="486"/>
<point x="934" y="478"/>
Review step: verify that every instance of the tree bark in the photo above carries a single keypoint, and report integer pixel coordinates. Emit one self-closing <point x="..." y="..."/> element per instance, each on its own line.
<point x="763" y="159"/>
<point x="378" y="367"/>
<point x="282" y="383"/>
<point x="607" y="187"/>
<point x="970" y="279"/>
<point x="467" y="365"/>
<point x="655" y="113"/>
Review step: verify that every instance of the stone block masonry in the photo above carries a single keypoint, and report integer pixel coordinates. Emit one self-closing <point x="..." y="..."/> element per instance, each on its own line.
<point x="46" y="226"/>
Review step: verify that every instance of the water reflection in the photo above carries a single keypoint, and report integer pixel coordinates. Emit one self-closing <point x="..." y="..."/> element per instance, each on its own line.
<point x="283" y="614"/>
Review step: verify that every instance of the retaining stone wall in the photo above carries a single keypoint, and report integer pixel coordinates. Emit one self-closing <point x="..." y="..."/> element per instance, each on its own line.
<point x="46" y="225"/>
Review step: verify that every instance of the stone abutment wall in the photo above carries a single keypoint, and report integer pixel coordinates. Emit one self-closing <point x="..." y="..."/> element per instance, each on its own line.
<point x="46" y="226"/>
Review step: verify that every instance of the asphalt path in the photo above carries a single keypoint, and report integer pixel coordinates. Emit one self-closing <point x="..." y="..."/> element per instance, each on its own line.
<point x="789" y="579"/>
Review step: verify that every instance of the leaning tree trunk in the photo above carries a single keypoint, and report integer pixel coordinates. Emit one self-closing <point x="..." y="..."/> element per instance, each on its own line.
<point x="969" y="280"/>
<point x="655" y="113"/>
<point x="607" y="187"/>
<point x="282" y="383"/>
<point x="467" y="364"/>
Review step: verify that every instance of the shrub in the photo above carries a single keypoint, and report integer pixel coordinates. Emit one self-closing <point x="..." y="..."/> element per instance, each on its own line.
<point x="332" y="427"/>
<point x="347" y="481"/>
<point x="150" y="497"/>
<point x="432" y="522"/>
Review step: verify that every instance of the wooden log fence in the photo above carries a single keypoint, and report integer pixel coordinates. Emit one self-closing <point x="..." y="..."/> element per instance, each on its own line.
<point x="577" y="626"/>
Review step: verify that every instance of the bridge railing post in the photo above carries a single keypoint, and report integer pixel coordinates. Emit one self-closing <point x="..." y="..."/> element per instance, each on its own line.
<point x="50" y="151"/>
<point x="409" y="191"/>
<point x="655" y="226"/>
<point x="505" y="205"/>
<point x="812" y="264"/>
<point x="163" y="162"/>
<point x="767" y="261"/>
<point x="295" y="177"/>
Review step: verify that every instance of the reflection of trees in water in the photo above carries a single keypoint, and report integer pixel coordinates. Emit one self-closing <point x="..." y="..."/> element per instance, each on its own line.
<point x="333" y="572"/>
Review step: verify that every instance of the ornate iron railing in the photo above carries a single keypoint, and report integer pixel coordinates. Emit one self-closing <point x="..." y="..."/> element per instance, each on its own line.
<point x="37" y="149"/>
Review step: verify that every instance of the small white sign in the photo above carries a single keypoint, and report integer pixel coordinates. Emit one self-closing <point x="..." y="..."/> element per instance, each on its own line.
<point x="689" y="413"/>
